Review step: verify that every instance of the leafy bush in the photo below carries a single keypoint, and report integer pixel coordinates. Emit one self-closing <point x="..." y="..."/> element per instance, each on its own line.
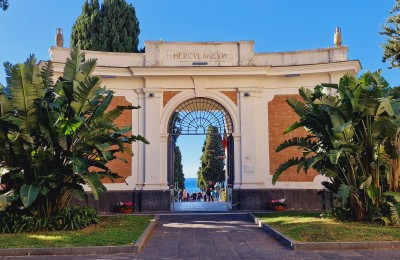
<point x="68" y="218"/>
<point x="73" y="218"/>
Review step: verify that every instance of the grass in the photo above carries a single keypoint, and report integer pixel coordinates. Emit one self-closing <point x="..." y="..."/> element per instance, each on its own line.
<point x="111" y="231"/>
<point x="310" y="227"/>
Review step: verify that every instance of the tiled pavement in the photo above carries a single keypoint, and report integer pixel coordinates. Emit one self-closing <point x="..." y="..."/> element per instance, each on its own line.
<point x="222" y="236"/>
<point x="200" y="206"/>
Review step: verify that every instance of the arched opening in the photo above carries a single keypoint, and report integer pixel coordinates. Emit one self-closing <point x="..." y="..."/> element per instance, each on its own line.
<point x="202" y="117"/>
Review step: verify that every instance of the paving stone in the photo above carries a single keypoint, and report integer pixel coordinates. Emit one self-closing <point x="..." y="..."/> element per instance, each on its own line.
<point x="224" y="236"/>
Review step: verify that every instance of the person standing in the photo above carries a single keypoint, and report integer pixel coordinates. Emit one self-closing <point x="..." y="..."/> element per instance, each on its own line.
<point x="180" y="193"/>
<point x="184" y="195"/>
<point x="210" y="188"/>
<point x="217" y="189"/>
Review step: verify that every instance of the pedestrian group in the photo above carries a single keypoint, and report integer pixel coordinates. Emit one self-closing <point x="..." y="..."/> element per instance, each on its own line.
<point x="212" y="193"/>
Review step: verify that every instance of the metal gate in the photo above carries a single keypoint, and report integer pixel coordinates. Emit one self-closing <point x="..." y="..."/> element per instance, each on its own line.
<point x="170" y="165"/>
<point x="193" y="117"/>
<point x="230" y="164"/>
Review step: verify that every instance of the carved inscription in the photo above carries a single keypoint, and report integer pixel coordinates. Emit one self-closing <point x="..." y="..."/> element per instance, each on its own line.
<point x="197" y="56"/>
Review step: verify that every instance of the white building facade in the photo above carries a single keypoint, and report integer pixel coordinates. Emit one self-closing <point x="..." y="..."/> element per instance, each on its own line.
<point x="250" y="87"/>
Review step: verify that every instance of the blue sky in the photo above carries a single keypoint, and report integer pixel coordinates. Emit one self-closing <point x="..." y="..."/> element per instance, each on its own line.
<point x="275" y="25"/>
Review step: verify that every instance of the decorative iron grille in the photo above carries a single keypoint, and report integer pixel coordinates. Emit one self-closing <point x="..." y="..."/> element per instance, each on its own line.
<point x="195" y="115"/>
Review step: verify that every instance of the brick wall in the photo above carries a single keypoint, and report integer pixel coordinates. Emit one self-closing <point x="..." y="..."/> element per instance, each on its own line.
<point x="168" y="95"/>
<point x="232" y="95"/>
<point x="122" y="168"/>
<point x="280" y="117"/>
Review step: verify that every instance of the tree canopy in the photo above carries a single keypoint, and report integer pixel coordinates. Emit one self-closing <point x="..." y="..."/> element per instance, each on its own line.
<point x="212" y="162"/>
<point x="111" y="27"/>
<point x="179" y="176"/>
<point x="4" y="4"/>
<point x="391" y="31"/>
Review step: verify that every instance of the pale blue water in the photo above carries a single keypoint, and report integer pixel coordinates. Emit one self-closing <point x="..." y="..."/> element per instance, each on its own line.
<point x="190" y="185"/>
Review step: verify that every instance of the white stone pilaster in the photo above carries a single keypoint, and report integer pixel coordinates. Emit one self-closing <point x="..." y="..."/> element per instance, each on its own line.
<point x="269" y="96"/>
<point x="140" y="167"/>
<point x="153" y="106"/>
<point x="164" y="159"/>
<point x="249" y="105"/>
<point x="237" y="157"/>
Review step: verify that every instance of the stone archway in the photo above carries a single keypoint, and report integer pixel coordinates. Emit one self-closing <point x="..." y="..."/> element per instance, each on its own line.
<point x="193" y="117"/>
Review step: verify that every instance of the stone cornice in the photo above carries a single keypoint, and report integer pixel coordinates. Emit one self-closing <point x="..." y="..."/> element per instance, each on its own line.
<point x="352" y="66"/>
<point x="99" y="71"/>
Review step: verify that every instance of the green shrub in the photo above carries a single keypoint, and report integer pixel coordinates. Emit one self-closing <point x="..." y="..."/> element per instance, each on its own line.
<point x="74" y="218"/>
<point x="68" y="218"/>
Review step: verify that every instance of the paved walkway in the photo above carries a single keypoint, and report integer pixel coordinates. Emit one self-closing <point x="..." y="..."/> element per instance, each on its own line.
<point x="200" y="206"/>
<point x="221" y="236"/>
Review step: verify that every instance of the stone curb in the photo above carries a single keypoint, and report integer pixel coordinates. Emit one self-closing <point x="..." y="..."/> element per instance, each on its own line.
<point x="146" y="234"/>
<point x="300" y="246"/>
<point x="90" y="250"/>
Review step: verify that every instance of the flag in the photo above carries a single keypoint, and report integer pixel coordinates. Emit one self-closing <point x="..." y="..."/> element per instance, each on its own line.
<point x="224" y="142"/>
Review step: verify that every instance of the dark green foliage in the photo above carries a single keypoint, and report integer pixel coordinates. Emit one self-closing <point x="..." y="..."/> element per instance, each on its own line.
<point x="179" y="177"/>
<point x="212" y="160"/>
<point x="112" y="27"/>
<point x="56" y="137"/>
<point x="391" y="31"/>
<point x="69" y="218"/>
<point x="4" y="4"/>
<point x="74" y="218"/>
<point x="352" y="140"/>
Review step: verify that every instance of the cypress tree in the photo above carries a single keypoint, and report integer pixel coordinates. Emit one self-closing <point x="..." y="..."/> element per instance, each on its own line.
<point x="201" y="182"/>
<point x="391" y="30"/>
<point x="113" y="27"/>
<point x="179" y="177"/>
<point x="212" y="163"/>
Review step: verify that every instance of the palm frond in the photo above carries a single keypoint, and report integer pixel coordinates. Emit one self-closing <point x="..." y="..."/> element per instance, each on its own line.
<point x="301" y="142"/>
<point x="88" y="66"/>
<point x="298" y="107"/>
<point x="94" y="182"/>
<point x="283" y="167"/>
<point x="47" y="76"/>
<point x="306" y="94"/>
<point x="84" y="95"/>
<point x="101" y="108"/>
<point x="293" y="127"/>
<point x="73" y="63"/>
<point x="5" y="101"/>
<point x="26" y="87"/>
<point x="394" y="213"/>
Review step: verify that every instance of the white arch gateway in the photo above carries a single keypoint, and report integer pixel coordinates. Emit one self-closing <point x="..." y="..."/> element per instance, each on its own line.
<point x="250" y="86"/>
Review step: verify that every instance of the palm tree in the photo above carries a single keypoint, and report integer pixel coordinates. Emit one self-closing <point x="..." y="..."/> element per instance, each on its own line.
<point x="55" y="137"/>
<point x="351" y="141"/>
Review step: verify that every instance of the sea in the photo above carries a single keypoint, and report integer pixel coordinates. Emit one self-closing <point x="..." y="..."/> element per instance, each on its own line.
<point x="191" y="185"/>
